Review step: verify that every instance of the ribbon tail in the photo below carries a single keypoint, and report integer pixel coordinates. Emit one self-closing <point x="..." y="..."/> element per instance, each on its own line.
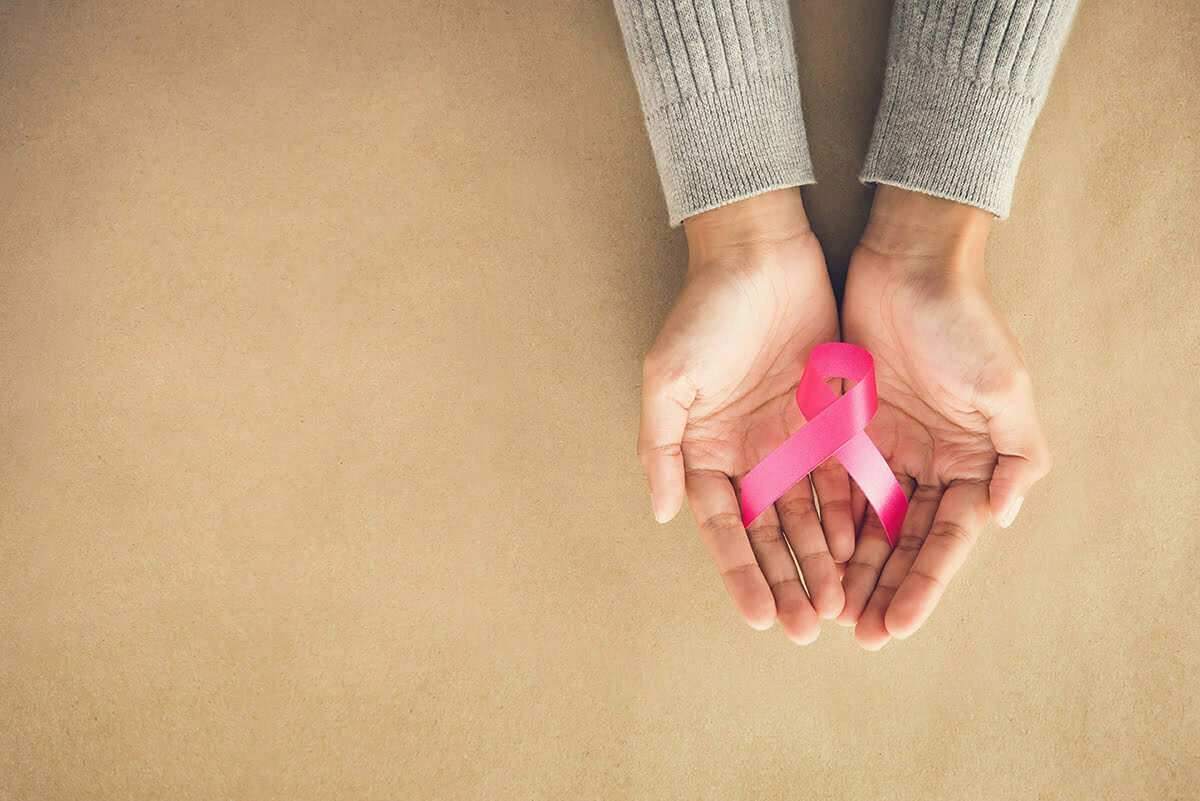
<point x="870" y="471"/>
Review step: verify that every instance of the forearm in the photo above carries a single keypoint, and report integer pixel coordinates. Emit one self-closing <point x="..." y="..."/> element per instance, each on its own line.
<point x="965" y="82"/>
<point x="719" y="93"/>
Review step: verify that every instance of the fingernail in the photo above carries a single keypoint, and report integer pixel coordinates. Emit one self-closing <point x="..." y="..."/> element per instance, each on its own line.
<point x="659" y="514"/>
<point x="1010" y="514"/>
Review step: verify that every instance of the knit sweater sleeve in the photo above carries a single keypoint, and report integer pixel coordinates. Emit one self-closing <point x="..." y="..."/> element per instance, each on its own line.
<point x="965" y="81"/>
<point x="717" y="80"/>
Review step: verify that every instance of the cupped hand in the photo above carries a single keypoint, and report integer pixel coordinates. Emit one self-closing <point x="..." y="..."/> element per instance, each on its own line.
<point x="956" y="417"/>
<point x="718" y="396"/>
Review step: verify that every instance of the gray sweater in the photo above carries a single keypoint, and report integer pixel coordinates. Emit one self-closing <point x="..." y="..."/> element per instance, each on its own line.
<point x="965" y="81"/>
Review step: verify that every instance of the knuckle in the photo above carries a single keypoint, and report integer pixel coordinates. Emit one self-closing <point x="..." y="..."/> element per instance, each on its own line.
<point x="884" y="592"/>
<point x="929" y="577"/>
<point x="951" y="533"/>
<point x="908" y="543"/>
<point x="786" y="585"/>
<point x="812" y="557"/>
<point x="796" y="508"/>
<point x="647" y="451"/>
<point x="722" y="523"/>
<point x="862" y="566"/>
<point x="926" y="494"/>
<point x="764" y="534"/>
<point x="744" y="569"/>
<point x="837" y="507"/>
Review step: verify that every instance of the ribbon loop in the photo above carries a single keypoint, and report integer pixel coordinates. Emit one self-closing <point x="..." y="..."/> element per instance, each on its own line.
<point x="835" y="428"/>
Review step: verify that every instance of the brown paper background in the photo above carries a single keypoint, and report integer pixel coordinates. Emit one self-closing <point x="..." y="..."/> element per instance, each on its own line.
<point x="320" y="339"/>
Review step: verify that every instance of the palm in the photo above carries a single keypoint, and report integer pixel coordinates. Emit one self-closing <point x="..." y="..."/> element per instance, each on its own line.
<point x="946" y="366"/>
<point x="745" y="403"/>
<point x="937" y="345"/>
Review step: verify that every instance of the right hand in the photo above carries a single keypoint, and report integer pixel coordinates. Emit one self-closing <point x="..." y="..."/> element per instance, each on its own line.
<point x="719" y="395"/>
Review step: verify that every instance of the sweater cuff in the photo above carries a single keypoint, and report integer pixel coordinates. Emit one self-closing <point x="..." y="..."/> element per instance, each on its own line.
<point x="942" y="133"/>
<point x="734" y="143"/>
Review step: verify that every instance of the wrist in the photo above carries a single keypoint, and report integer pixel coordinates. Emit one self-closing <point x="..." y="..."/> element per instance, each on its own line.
<point x="909" y="225"/>
<point x="758" y="221"/>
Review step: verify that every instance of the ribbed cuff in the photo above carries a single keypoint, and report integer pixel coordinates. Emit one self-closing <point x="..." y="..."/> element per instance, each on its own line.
<point x="737" y="142"/>
<point x="944" y="134"/>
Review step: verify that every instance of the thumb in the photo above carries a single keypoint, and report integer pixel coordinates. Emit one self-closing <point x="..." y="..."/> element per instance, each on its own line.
<point x="1024" y="454"/>
<point x="665" y="404"/>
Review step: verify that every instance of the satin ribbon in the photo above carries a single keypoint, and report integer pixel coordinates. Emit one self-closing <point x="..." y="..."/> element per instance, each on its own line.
<point x="834" y="428"/>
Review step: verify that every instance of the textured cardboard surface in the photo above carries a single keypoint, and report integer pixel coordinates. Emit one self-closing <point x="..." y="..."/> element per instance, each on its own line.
<point x="320" y="339"/>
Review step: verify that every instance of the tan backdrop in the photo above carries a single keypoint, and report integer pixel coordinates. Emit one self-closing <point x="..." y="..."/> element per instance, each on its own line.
<point x="320" y="339"/>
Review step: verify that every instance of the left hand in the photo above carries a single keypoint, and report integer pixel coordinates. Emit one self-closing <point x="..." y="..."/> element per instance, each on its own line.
<point x="956" y="419"/>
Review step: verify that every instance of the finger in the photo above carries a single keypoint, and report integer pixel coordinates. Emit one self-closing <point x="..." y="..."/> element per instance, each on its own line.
<point x="665" y="406"/>
<point x="862" y="571"/>
<point x="858" y="507"/>
<point x="801" y="524"/>
<point x="795" y="613"/>
<point x="858" y="510"/>
<point x="960" y="517"/>
<point x="716" y="509"/>
<point x="832" y="484"/>
<point x="870" y="553"/>
<point x="1024" y="453"/>
<point x="871" y="632"/>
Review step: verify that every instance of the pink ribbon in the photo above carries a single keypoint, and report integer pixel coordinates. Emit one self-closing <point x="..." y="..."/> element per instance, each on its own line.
<point x="834" y="428"/>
